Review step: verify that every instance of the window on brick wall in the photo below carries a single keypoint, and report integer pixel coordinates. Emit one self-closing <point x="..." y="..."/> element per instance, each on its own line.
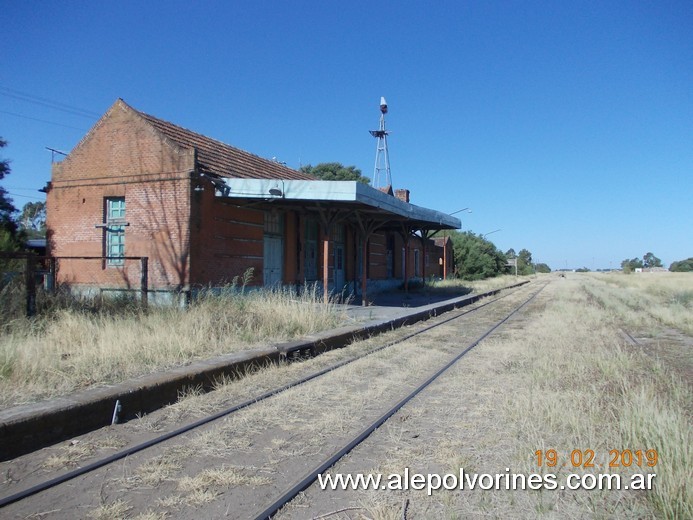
<point x="114" y="240"/>
<point x="338" y="234"/>
<point x="274" y="223"/>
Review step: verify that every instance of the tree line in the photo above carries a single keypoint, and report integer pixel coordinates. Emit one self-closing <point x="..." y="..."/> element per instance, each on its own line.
<point x="649" y="260"/>
<point x="477" y="258"/>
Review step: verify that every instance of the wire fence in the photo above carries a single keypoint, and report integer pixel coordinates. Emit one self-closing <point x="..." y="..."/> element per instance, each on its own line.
<point x="28" y="280"/>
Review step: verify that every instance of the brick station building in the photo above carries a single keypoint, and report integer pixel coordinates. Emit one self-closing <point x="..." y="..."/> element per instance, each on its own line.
<point x="203" y="212"/>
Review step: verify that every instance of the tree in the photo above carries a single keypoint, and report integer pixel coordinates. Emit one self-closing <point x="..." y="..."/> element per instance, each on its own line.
<point x="631" y="265"/>
<point x="8" y="227"/>
<point x="475" y="257"/>
<point x="650" y="260"/>
<point x="524" y="262"/>
<point x="335" y="172"/>
<point x="542" y="268"/>
<point x="682" y="266"/>
<point x="32" y="219"/>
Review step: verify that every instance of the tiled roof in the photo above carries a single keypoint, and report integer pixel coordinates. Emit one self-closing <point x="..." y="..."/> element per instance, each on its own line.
<point x="223" y="160"/>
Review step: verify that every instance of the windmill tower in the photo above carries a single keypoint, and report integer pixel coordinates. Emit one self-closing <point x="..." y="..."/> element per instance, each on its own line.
<point x="382" y="159"/>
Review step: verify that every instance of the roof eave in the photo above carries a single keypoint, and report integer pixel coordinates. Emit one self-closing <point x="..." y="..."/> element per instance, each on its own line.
<point x="338" y="192"/>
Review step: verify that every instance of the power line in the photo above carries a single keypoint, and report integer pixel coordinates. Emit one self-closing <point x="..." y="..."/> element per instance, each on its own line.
<point x="24" y="196"/>
<point x="42" y="120"/>
<point x="49" y="103"/>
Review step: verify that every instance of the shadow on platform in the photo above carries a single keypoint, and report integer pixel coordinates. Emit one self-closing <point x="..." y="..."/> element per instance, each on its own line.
<point x="389" y="304"/>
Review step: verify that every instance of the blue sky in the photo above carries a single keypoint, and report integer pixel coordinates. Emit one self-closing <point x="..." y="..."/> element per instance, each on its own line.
<point x="567" y="125"/>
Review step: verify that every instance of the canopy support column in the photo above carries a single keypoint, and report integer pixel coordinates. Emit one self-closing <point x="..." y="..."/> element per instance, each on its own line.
<point x="425" y="235"/>
<point x="406" y="233"/>
<point x="366" y="229"/>
<point x="325" y="265"/>
<point x="327" y="218"/>
<point x="364" y="267"/>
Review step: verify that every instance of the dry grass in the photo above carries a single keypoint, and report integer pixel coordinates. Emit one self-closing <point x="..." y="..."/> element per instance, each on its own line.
<point x="151" y="515"/>
<point x="624" y="399"/>
<point x="209" y="484"/>
<point x="563" y="378"/>
<point x="77" y="451"/>
<point x="159" y="469"/>
<point x="646" y="301"/>
<point x="457" y="286"/>
<point x="222" y="478"/>
<point x="69" y="349"/>
<point x="116" y="510"/>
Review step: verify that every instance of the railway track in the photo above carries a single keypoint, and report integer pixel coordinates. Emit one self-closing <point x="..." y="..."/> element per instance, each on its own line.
<point x="338" y="451"/>
<point x="312" y="475"/>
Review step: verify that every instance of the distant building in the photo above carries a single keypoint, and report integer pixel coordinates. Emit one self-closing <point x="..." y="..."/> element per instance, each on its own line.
<point x="446" y="260"/>
<point x="203" y="212"/>
<point x="36" y="245"/>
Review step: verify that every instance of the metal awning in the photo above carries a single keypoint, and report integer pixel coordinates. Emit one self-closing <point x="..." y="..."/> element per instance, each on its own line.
<point x="350" y="196"/>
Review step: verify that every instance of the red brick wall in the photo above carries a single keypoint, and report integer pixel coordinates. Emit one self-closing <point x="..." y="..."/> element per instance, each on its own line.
<point x="125" y="157"/>
<point x="377" y="257"/>
<point x="227" y="240"/>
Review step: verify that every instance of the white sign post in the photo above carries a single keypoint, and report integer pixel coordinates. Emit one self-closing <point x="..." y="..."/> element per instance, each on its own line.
<point x="512" y="262"/>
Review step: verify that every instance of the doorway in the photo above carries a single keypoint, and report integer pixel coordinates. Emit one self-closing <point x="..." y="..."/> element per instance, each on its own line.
<point x="273" y="249"/>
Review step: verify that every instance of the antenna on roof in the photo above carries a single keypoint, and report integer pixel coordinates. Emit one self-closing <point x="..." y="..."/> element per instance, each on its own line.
<point x="382" y="159"/>
<point x="53" y="152"/>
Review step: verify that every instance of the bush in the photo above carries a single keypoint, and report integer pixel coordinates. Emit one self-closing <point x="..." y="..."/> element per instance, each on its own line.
<point x="682" y="266"/>
<point x="475" y="257"/>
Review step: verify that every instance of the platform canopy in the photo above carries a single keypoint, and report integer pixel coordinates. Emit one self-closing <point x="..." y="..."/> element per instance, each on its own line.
<point x="354" y="201"/>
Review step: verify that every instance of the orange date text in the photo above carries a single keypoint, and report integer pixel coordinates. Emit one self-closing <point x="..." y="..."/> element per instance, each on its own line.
<point x="587" y="458"/>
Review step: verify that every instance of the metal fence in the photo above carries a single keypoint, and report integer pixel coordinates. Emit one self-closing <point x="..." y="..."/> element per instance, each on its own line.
<point x="27" y="278"/>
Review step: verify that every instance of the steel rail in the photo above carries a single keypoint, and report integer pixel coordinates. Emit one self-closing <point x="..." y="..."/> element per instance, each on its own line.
<point x="306" y="481"/>
<point x="630" y="337"/>
<point x="61" y="479"/>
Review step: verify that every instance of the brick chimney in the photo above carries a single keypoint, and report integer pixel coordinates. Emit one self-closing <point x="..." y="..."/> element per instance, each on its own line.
<point x="402" y="195"/>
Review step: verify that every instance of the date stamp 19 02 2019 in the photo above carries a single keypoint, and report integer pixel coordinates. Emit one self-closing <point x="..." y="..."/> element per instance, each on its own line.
<point x="587" y="458"/>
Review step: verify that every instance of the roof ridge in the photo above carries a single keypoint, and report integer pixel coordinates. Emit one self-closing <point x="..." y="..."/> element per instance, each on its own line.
<point x="154" y="119"/>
